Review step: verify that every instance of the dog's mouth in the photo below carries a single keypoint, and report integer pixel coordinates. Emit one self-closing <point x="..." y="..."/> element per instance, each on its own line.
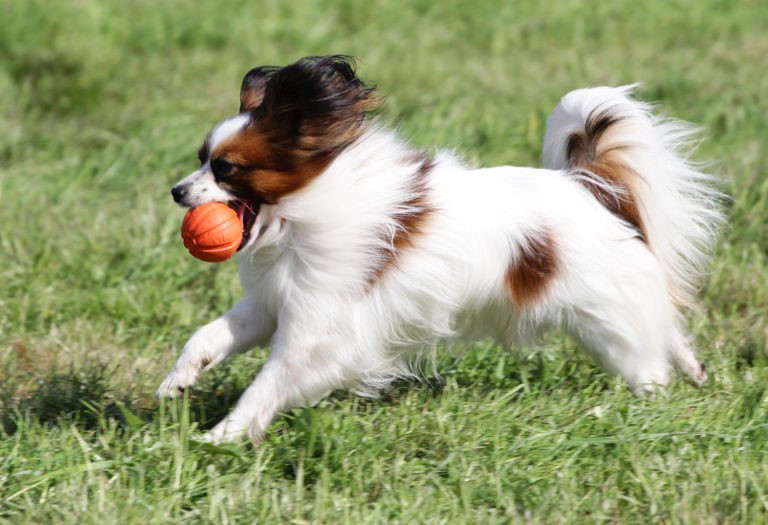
<point x="247" y="211"/>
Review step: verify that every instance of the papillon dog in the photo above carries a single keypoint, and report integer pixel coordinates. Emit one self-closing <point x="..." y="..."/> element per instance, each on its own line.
<point x="361" y="254"/>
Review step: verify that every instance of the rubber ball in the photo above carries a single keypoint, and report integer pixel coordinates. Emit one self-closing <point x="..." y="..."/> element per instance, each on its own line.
<point x="212" y="232"/>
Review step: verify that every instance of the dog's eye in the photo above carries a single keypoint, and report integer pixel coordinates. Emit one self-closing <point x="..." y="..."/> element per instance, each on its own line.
<point x="221" y="168"/>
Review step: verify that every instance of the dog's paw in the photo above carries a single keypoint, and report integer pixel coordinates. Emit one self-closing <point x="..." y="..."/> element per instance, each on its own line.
<point x="700" y="377"/>
<point x="226" y="431"/>
<point x="179" y="379"/>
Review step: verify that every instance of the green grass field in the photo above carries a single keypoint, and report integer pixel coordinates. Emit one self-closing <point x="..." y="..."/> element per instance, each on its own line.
<point x="102" y="107"/>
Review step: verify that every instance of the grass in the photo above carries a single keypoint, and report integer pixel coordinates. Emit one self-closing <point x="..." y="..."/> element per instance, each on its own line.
<point x="104" y="105"/>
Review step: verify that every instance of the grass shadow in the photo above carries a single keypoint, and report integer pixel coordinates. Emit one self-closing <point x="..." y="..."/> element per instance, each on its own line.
<point x="82" y="397"/>
<point x="87" y="398"/>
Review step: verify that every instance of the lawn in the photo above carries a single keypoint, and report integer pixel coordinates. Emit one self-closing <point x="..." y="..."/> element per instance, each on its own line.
<point x="103" y="105"/>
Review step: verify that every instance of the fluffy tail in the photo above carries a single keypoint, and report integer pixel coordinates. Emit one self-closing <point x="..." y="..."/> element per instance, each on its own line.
<point x="637" y="165"/>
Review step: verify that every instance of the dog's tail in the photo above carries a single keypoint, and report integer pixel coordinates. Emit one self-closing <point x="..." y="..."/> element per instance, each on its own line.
<point x="637" y="166"/>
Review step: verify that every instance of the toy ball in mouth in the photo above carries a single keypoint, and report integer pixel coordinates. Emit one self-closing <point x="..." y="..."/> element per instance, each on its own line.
<point x="212" y="232"/>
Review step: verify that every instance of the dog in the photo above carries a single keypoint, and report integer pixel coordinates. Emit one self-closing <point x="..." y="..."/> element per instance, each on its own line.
<point x="361" y="253"/>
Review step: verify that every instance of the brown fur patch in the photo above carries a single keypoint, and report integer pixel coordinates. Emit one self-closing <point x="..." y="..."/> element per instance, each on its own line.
<point x="410" y="222"/>
<point x="259" y="174"/>
<point x="302" y="116"/>
<point x="592" y="153"/>
<point x="530" y="273"/>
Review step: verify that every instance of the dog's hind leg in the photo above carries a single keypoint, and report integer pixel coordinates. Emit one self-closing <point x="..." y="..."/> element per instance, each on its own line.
<point x="685" y="360"/>
<point x="238" y="330"/>
<point x="639" y="360"/>
<point x="638" y="336"/>
<point x="627" y="324"/>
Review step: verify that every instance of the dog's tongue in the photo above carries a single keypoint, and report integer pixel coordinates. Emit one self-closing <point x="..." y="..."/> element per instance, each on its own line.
<point x="246" y="213"/>
<point x="243" y="211"/>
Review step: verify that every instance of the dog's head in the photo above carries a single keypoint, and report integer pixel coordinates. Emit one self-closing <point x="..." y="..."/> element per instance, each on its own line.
<point x="293" y="122"/>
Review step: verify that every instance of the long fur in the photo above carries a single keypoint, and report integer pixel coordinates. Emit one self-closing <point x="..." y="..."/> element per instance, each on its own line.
<point x="375" y="253"/>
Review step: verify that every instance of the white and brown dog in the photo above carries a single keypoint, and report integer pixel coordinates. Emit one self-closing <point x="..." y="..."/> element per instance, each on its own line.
<point x="360" y="253"/>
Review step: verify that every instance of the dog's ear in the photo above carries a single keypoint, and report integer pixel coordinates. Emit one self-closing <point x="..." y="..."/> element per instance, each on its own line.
<point x="252" y="88"/>
<point x="318" y="101"/>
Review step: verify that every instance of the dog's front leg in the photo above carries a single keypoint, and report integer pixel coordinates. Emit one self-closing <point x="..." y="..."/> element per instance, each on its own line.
<point x="238" y="330"/>
<point x="298" y="372"/>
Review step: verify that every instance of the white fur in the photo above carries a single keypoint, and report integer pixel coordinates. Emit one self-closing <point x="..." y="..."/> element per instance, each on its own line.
<point x="306" y="271"/>
<point x="201" y="184"/>
<point x="678" y="202"/>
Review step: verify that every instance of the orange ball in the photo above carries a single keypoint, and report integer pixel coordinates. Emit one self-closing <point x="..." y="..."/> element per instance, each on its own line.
<point x="212" y="232"/>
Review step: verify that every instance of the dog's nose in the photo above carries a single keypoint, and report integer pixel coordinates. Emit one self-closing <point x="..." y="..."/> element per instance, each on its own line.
<point x="178" y="193"/>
